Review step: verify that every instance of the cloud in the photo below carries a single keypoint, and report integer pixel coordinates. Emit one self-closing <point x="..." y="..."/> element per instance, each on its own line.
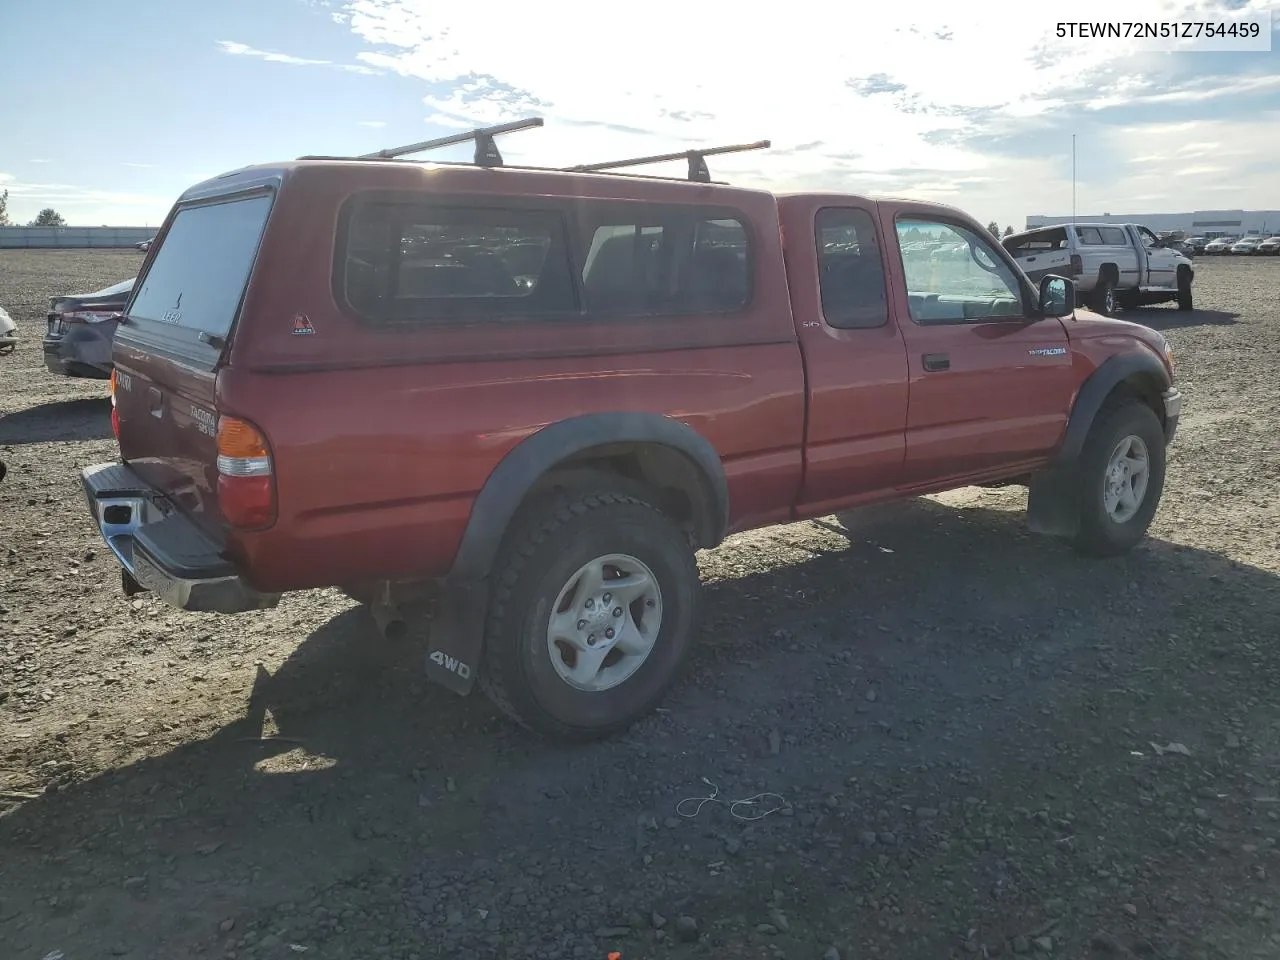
<point x="38" y="161"/>
<point x="80" y="204"/>
<point x="976" y="104"/>
<point x="1142" y="91"/>
<point x="876" y="83"/>
<point x="244" y="50"/>
<point x="140" y="166"/>
<point x="375" y="124"/>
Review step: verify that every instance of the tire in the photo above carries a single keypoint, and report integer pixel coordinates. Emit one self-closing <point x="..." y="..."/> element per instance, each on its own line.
<point x="540" y="680"/>
<point x="1185" y="301"/>
<point x="1104" y="297"/>
<point x="1103" y="533"/>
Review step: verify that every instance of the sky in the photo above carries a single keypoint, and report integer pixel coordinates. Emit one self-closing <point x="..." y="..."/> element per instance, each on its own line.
<point x="108" y="111"/>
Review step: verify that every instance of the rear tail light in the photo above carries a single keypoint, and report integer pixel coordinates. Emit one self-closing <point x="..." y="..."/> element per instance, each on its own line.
<point x="246" y="480"/>
<point x="1077" y="265"/>
<point x="115" y="413"/>
<point x="89" y="316"/>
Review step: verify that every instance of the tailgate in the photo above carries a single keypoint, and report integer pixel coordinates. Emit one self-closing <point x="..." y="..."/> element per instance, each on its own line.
<point x="169" y="347"/>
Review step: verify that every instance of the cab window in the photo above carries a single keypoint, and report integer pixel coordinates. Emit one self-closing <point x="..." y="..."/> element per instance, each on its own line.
<point x="954" y="275"/>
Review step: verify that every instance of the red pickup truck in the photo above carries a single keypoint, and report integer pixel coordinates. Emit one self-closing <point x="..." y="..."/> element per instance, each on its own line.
<point x="537" y="393"/>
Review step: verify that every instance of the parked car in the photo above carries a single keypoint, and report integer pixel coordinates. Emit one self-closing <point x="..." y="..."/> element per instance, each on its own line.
<point x="1219" y="246"/>
<point x="1245" y="246"/>
<point x="1269" y="247"/>
<point x="539" y="444"/>
<point x="1193" y="245"/>
<point x="145" y="244"/>
<point x="8" y="333"/>
<point x="1113" y="265"/>
<point x="80" y="329"/>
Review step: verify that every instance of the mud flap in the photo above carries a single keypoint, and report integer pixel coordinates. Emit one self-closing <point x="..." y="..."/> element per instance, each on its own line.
<point x="1053" y="505"/>
<point x="128" y="585"/>
<point x="456" y="636"/>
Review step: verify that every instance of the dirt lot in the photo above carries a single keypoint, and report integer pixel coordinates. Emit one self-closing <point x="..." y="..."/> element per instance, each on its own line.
<point x="961" y="721"/>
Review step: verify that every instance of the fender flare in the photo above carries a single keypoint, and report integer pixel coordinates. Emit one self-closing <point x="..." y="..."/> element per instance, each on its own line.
<point x="1053" y="505"/>
<point x="1093" y="394"/>
<point x="527" y="462"/>
<point x="457" y="630"/>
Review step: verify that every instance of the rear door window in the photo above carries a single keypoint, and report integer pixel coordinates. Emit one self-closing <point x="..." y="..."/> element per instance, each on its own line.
<point x="850" y="269"/>
<point x="199" y="274"/>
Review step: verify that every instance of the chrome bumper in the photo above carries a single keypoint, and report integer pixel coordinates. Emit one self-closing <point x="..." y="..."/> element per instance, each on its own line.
<point x="161" y="550"/>
<point x="1172" y="411"/>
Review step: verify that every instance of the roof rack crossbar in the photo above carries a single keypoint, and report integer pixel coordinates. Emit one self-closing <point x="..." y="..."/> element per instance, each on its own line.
<point x="697" y="160"/>
<point x="486" y="154"/>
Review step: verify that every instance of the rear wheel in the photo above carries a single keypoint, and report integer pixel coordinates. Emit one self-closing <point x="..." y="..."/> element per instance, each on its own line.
<point x="593" y="611"/>
<point x="1104" y="297"/>
<point x="1184" y="289"/>
<point x="1122" y="471"/>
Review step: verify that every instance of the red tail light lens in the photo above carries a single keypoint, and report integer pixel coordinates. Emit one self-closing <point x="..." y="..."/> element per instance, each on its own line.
<point x="246" y="479"/>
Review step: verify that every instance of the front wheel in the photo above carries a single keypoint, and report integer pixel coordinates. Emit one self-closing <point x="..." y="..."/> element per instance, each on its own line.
<point x="593" y="611"/>
<point x="1122" y="470"/>
<point x="1185" y="301"/>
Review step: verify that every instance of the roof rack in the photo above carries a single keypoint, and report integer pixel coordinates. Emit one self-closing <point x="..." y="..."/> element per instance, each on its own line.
<point x="697" y="160"/>
<point x="487" y="155"/>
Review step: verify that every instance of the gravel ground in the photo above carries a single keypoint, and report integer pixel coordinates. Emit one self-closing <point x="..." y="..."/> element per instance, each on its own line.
<point x="958" y="739"/>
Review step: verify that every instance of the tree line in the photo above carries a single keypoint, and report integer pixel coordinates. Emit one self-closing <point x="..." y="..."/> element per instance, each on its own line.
<point x="48" y="217"/>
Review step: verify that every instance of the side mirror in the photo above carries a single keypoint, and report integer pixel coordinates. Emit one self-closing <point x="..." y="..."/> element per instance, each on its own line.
<point x="1057" y="296"/>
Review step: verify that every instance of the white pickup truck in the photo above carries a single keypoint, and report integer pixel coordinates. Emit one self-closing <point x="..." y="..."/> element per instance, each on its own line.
<point x="1113" y="264"/>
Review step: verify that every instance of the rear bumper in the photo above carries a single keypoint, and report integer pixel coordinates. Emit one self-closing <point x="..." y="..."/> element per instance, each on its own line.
<point x="162" y="550"/>
<point x="1172" y="411"/>
<point x="77" y="356"/>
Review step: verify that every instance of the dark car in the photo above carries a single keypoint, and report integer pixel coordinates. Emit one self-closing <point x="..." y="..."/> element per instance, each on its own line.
<point x="81" y="327"/>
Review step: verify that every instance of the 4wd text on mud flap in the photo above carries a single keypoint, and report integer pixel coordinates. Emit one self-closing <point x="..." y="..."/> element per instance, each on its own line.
<point x="452" y="664"/>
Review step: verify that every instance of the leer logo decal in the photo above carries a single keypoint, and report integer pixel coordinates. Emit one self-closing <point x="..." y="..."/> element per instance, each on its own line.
<point x="302" y="325"/>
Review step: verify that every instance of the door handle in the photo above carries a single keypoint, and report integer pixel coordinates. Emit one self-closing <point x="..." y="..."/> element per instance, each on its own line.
<point x="936" y="361"/>
<point x="155" y="401"/>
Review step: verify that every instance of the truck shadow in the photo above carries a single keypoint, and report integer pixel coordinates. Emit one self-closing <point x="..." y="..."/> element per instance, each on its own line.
<point x="1167" y="318"/>
<point x="59" y="420"/>
<point x="930" y="650"/>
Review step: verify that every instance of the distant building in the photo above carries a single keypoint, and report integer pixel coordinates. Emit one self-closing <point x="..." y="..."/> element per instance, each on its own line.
<point x="1201" y="223"/>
